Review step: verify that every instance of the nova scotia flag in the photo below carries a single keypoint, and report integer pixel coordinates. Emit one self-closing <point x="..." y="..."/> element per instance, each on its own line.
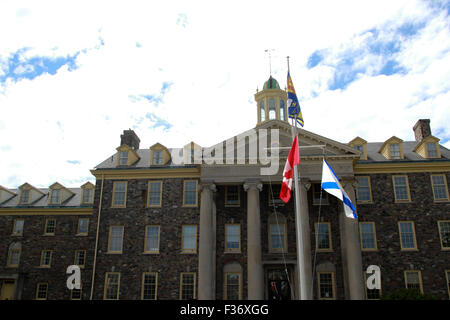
<point x="330" y="183"/>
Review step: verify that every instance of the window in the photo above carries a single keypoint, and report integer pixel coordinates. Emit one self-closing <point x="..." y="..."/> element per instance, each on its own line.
<point x="401" y="189"/>
<point x="80" y="258"/>
<point x="440" y="191"/>
<point x="112" y="284"/>
<point x="115" y="239"/>
<point x="190" y="194"/>
<point x="119" y="194"/>
<point x="187" y="286"/>
<point x="432" y="150"/>
<point x="75" y="294"/>
<point x="282" y="111"/>
<point x="189" y="241"/>
<point x="18" y="227"/>
<point x="326" y="285"/>
<point x="363" y="192"/>
<point x="46" y="258"/>
<point x="444" y="234"/>
<point x="413" y="280"/>
<point x="358" y="147"/>
<point x="272" y="109"/>
<point x="368" y="237"/>
<point x="83" y="226"/>
<point x="25" y="196"/>
<point x="407" y="235"/>
<point x="371" y="294"/>
<point x="123" y="158"/>
<point x="157" y="156"/>
<point x="55" y="196"/>
<point x="262" y="111"/>
<point x="154" y="193"/>
<point x="319" y="196"/>
<point x="13" y="258"/>
<point x="232" y="286"/>
<point x="277" y="237"/>
<point x="88" y="195"/>
<point x="394" y="149"/>
<point x="323" y="239"/>
<point x="232" y="238"/>
<point x="232" y="197"/>
<point x="151" y="239"/>
<point x="149" y="285"/>
<point x="274" y="195"/>
<point x="41" y="291"/>
<point x="50" y="226"/>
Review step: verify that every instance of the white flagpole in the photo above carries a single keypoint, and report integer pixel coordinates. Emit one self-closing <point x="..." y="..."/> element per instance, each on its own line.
<point x="302" y="294"/>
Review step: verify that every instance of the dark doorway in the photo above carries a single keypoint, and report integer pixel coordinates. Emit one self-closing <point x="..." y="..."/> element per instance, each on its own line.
<point x="278" y="285"/>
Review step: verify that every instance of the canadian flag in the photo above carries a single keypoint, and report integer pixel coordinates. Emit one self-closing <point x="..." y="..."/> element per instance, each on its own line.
<point x="292" y="160"/>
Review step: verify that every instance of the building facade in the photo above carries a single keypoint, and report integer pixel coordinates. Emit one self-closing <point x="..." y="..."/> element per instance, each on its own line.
<point x="207" y="223"/>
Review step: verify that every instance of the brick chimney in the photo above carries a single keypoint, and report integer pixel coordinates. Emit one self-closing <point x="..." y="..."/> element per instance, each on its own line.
<point x="130" y="138"/>
<point x="422" y="129"/>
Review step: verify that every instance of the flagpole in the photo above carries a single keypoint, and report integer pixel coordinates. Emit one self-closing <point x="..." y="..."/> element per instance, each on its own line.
<point x="302" y="294"/>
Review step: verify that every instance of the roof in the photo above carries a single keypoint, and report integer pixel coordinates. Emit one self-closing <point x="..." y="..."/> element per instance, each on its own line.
<point x="271" y="84"/>
<point x="408" y="152"/>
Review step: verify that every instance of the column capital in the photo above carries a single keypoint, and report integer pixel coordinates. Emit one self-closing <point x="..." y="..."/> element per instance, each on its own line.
<point x="305" y="183"/>
<point x="349" y="182"/>
<point x="207" y="186"/>
<point x="257" y="185"/>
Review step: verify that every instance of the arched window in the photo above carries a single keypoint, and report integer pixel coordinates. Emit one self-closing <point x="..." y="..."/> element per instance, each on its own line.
<point x="262" y="111"/>
<point x="282" y="110"/>
<point x="272" y="109"/>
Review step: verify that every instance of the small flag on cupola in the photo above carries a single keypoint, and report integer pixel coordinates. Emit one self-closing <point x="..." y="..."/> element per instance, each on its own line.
<point x="293" y="105"/>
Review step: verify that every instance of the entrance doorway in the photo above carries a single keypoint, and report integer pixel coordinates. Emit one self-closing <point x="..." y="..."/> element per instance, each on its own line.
<point x="278" y="285"/>
<point x="7" y="289"/>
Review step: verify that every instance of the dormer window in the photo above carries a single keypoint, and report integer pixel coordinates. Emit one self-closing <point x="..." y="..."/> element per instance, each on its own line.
<point x="123" y="159"/>
<point x="55" y="196"/>
<point x="395" y="151"/>
<point x="432" y="150"/>
<point x="361" y="145"/>
<point x="25" y="196"/>
<point x="359" y="148"/>
<point x="87" y="195"/>
<point x="157" y="157"/>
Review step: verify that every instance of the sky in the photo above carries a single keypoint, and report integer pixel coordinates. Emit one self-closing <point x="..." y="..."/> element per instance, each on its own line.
<point x="75" y="74"/>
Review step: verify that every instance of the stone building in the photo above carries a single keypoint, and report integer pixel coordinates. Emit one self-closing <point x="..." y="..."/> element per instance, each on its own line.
<point x="207" y="223"/>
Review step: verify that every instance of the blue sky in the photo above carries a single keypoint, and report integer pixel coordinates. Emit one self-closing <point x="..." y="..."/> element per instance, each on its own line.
<point x="188" y="71"/>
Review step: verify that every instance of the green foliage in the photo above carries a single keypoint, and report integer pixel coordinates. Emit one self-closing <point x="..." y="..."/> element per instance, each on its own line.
<point x="407" y="294"/>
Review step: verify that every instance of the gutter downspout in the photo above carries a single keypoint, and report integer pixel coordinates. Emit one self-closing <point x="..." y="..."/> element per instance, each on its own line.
<point x="96" y="239"/>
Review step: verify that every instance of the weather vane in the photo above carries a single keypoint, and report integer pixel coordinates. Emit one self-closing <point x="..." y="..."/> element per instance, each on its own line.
<point x="270" y="59"/>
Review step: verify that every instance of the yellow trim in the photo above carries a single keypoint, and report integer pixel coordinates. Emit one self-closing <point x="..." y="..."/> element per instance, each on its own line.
<point x="160" y="194"/>
<point x="440" y="234"/>
<point x="422" y="148"/>
<point x="333" y="284"/>
<point x="81" y="293"/>
<point x="225" y="293"/>
<point x="156" y="285"/>
<point x="37" y="290"/>
<point x="145" y="238"/>
<point x="84" y="258"/>
<point x="109" y="240"/>
<point x="165" y="154"/>
<point x="184" y="194"/>
<point x="46" y="226"/>
<point x="13" y="233"/>
<point x="132" y="157"/>
<point x="385" y="149"/>
<point x="59" y="196"/>
<point x="420" y="278"/>
<point x="447" y="277"/>
<point x="10" y="256"/>
<point x="275" y="250"/>
<point x="238" y="204"/>
<point x="403" y="167"/>
<point x="78" y="227"/>
<point x="159" y="173"/>
<point x="407" y="188"/>
<point x="360" y="142"/>
<point x="107" y="282"/>
<point x="87" y="186"/>
<point x="370" y="191"/>
<point x="43" y="252"/>
<point x="446" y="188"/>
<point x="124" y="205"/>
<point x="233" y="250"/>
<point x="330" y="240"/>
<point x="182" y="239"/>
<point x="414" y="236"/>
<point x="365" y="287"/>
<point x="45" y="211"/>
<point x="181" y="283"/>
<point x="374" y="235"/>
